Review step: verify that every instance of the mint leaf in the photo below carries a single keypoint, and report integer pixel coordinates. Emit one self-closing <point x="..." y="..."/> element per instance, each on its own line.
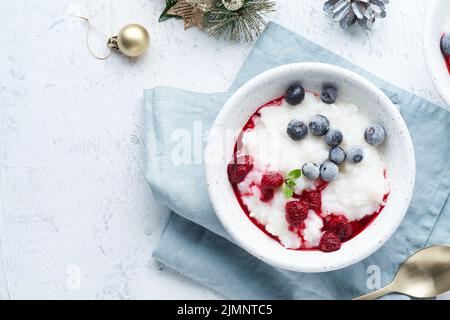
<point x="290" y="183"/>
<point x="295" y="174"/>
<point x="288" y="191"/>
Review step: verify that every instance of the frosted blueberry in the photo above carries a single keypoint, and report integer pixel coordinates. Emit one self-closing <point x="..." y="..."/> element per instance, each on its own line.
<point x="319" y="125"/>
<point x="445" y="44"/>
<point x="375" y="135"/>
<point x="333" y="138"/>
<point x="329" y="171"/>
<point x="297" y="130"/>
<point x="311" y="171"/>
<point x="355" y="154"/>
<point x="295" y="95"/>
<point x="337" y="155"/>
<point x="329" y="94"/>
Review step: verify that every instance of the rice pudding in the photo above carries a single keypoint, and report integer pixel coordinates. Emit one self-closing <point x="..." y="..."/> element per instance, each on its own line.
<point x="308" y="170"/>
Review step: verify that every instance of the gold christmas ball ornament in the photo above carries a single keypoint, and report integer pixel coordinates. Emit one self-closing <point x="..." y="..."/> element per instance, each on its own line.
<point x="132" y="41"/>
<point x="233" y="5"/>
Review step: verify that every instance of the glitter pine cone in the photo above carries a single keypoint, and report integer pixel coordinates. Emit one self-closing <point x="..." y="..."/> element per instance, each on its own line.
<point x="348" y="12"/>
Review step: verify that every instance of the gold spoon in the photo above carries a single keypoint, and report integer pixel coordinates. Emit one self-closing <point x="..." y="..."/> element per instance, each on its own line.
<point x="426" y="274"/>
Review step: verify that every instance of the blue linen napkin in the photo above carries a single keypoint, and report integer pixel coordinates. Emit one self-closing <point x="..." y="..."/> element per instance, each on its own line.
<point x="195" y="244"/>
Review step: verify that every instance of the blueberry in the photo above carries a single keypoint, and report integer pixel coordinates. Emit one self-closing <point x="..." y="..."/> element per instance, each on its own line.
<point x="329" y="94"/>
<point x="445" y="44"/>
<point x="311" y="171"/>
<point x="334" y="138"/>
<point x="319" y="125"/>
<point x="329" y="171"/>
<point x="375" y="135"/>
<point x="337" y="155"/>
<point x="355" y="154"/>
<point x="295" y="94"/>
<point x="297" y="130"/>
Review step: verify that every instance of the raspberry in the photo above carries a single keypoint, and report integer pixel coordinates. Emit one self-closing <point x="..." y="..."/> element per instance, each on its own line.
<point x="340" y="226"/>
<point x="266" y="195"/>
<point x="272" y="181"/>
<point x="315" y="200"/>
<point x="296" y="212"/>
<point x="330" y="242"/>
<point x="237" y="173"/>
<point x="239" y="168"/>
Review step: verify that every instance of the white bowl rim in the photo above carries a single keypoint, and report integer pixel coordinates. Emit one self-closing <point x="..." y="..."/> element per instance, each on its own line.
<point x="429" y="48"/>
<point x="388" y="231"/>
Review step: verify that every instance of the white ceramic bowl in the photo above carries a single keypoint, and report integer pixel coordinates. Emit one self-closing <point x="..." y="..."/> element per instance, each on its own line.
<point x="437" y="20"/>
<point x="353" y="88"/>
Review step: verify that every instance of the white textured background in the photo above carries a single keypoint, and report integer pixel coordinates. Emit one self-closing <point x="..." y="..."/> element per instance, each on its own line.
<point x="73" y="193"/>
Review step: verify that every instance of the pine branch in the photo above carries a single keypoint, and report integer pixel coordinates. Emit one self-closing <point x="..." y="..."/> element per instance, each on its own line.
<point x="164" y="15"/>
<point x="246" y="23"/>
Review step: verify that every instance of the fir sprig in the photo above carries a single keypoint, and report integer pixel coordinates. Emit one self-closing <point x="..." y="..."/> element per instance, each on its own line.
<point x="246" y="23"/>
<point x="164" y="15"/>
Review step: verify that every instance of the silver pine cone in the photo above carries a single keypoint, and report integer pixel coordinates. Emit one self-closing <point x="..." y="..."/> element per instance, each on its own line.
<point x="347" y="12"/>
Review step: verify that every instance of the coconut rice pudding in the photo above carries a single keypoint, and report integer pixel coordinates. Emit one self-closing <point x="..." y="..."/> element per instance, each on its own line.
<point x="308" y="170"/>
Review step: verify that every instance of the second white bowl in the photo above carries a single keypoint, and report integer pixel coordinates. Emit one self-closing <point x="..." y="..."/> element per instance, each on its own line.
<point x="436" y="22"/>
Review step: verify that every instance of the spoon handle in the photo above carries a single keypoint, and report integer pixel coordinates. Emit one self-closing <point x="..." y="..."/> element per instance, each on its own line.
<point x="376" y="294"/>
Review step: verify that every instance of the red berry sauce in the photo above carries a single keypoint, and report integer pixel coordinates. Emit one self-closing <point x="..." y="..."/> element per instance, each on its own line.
<point x="313" y="196"/>
<point x="447" y="62"/>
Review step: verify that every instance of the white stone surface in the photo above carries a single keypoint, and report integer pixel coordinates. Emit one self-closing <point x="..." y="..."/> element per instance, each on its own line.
<point x="74" y="198"/>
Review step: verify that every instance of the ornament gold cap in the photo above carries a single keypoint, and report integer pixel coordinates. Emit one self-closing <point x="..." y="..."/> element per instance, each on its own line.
<point x="132" y="41"/>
